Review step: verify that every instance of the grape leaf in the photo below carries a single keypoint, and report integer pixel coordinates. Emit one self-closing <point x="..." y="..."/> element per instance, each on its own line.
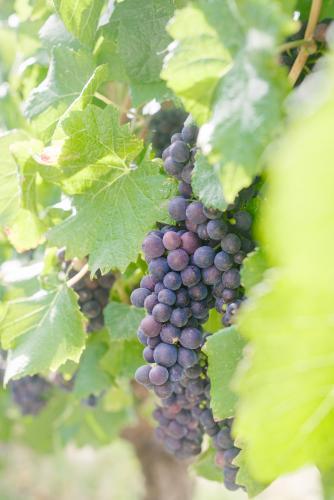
<point x="304" y="7"/>
<point x="122" y="320"/>
<point x="71" y="81"/>
<point x="112" y="217"/>
<point x="90" y="378"/>
<point x="286" y="413"/>
<point x="244" y="478"/>
<point x="205" y="466"/>
<point x="224" y="350"/>
<point x="139" y="39"/>
<point x="327" y="484"/>
<point x="253" y="268"/>
<point x="42" y="332"/>
<point x="80" y="19"/>
<point x="123" y="358"/>
<point x="196" y="62"/>
<point x="206" y="184"/>
<point x="53" y="33"/>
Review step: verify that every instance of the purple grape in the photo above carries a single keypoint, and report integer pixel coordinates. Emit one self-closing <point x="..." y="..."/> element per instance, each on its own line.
<point x="153" y="247"/>
<point x="158" y="268"/>
<point x="198" y="292"/>
<point x="165" y="153"/>
<point x="212" y="213"/>
<point x="141" y="337"/>
<point x="172" y="444"/>
<point x="196" y="387"/>
<point x="223" y="261"/>
<point x="171" y="240"/>
<point x="150" y="326"/>
<point x="165" y="354"/>
<point x="190" y="242"/>
<point x="223" y="440"/>
<point x="179" y="151"/>
<point x="178" y="259"/>
<point x="243" y="220"/>
<point x="229" y="456"/>
<point x="158" y="375"/>
<point x="247" y="245"/>
<point x="179" y="317"/>
<point x="199" y="309"/>
<point x="187" y="173"/>
<point x="185" y="189"/>
<point x="231" y="243"/>
<point x="175" y="373"/>
<point x="176" y="430"/>
<point x="167" y="296"/>
<point x="150" y="301"/>
<point x="182" y="298"/>
<point x="142" y="374"/>
<point x="211" y="275"/>
<point x="206" y="418"/>
<point x="194" y="212"/>
<point x="176" y="137"/>
<point x="161" y="312"/>
<point x="202" y="232"/>
<point x="217" y="229"/>
<point x="177" y="208"/>
<point x="204" y="257"/>
<point x="172" y="167"/>
<point x="163" y="391"/>
<point x="191" y="226"/>
<point x="239" y="257"/>
<point x="229" y="478"/>
<point x="231" y="278"/>
<point x="194" y="371"/>
<point x="191" y="338"/>
<point x="148" y="354"/>
<point x="172" y="280"/>
<point x="170" y="334"/>
<point x="229" y="295"/>
<point x="187" y="357"/>
<point x="138" y="296"/>
<point x="191" y="276"/>
<point x="189" y="134"/>
<point x="152" y="342"/>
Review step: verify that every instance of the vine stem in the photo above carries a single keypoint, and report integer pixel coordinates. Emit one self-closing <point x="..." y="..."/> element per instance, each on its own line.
<point x="295" y="44"/>
<point x="77" y="277"/>
<point x="103" y="98"/>
<point x="304" y="53"/>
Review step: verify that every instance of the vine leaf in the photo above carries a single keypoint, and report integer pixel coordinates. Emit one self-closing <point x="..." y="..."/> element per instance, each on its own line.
<point x="287" y="409"/>
<point x="122" y="320"/>
<point x="71" y="81"/>
<point x="253" y="269"/>
<point x="205" y="466"/>
<point x="244" y="477"/>
<point x="136" y="41"/>
<point x="80" y="19"/>
<point x="123" y="358"/>
<point x="206" y="184"/>
<point x="42" y="332"/>
<point x="224" y="350"/>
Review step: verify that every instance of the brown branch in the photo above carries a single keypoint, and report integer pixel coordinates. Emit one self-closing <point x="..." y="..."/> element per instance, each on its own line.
<point x="303" y="54"/>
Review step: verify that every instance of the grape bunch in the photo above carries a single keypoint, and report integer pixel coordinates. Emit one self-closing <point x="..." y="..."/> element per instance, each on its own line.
<point x="194" y="265"/>
<point x="93" y="293"/>
<point x="30" y="394"/>
<point x="226" y="453"/>
<point x="163" y="125"/>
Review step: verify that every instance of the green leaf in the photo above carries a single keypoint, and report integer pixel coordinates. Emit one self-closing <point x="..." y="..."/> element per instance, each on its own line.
<point x="53" y="33"/>
<point x="304" y="7"/>
<point x="90" y="378"/>
<point x="9" y="185"/>
<point x="136" y="40"/>
<point x="80" y="19"/>
<point x="327" y="484"/>
<point x="113" y="217"/>
<point x="244" y="478"/>
<point x="224" y="350"/>
<point x="196" y="62"/>
<point x="42" y="332"/>
<point x="71" y="81"/>
<point x="206" y="184"/>
<point x="286" y="413"/>
<point x="123" y="358"/>
<point x="122" y="320"/>
<point x="253" y="268"/>
<point x="205" y="466"/>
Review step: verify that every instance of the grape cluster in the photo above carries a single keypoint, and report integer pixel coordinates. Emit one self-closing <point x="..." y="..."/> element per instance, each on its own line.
<point x="163" y="125"/>
<point x="226" y="453"/>
<point x="194" y="266"/>
<point x="30" y="394"/>
<point x="93" y="293"/>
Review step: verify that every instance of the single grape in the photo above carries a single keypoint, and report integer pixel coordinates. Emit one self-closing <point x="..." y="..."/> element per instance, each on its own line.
<point x="161" y="312"/>
<point x="204" y="257"/>
<point x="91" y="309"/>
<point x="176" y="430"/>
<point x="142" y="374"/>
<point x="223" y="440"/>
<point x="172" y="444"/>
<point x="182" y="298"/>
<point x="167" y="296"/>
<point x="199" y="309"/>
<point x="185" y="189"/>
<point x="164" y="391"/>
<point x="191" y="276"/>
<point x="229" y="456"/>
<point x="138" y="296"/>
<point x="152" y="342"/>
<point x="198" y="292"/>
<point x="231" y="243"/>
<point x="165" y="354"/>
<point x="178" y="259"/>
<point x="194" y="212"/>
<point x="177" y="208"/>
<point x="172" y="167"/>
<point x="194" y="371"/>
<point x="85" y="294"/>
<point x="196" y="387"/>
<point x="102" y="296"/>
<point x="239" y="257"/>
<point x="150" y="326"/>
<point x="211" y="275"/>
<point x="172" y="280"/>
<point x="158" y="287"/>
<point x="212" y="213"/>
<point x="191" y="338"/>
<point x="171" y="240"/>
<point x="158" y="375"/>
<point x="170" y="334"/>
<point x="189" y="134"/>
<point x="187" y="173"/>
<point x="150" y="301"/>
<point x="187" y="357"/>
<point x="229" y="295"/>
<point x="230" y="475"/>
<point x="148" y="354"/>
<point x="223" y="261"/>
<point x="179" y="151"/>
<point x="243" y="220"/>
<point x="158" y="268"/>
<point x="231" y="278"/>
<point x="191" y="226"/>
<point x="217" y="229"/>
<point x="179" y="317"/>
<point x="176" y="137"/>
<point x="206" y="419"/>
<point x="190" y="242"/>
<point x="153" y="247"/>
<point x="141" y="337"/>
<point x="202" y="232"/>
<point x="175" y="373"/>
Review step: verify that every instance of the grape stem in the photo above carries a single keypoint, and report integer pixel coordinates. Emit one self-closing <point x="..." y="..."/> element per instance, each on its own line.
<point x="103" y="98"/>
<point x="296" y="44"/>
<point x="303" y="54"/>
<point x="77" y="277"/>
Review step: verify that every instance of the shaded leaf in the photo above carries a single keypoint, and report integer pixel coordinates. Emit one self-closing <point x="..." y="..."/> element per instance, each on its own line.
<point x="122" y="320"/>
